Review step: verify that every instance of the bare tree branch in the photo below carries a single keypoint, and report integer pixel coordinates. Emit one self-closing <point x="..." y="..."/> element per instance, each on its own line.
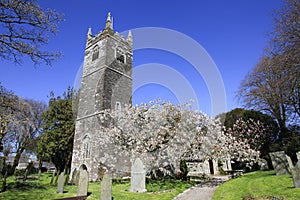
<point x="25" y="27"/>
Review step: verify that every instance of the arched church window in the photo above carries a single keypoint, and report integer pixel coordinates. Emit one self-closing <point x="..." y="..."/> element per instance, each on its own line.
<point x="86" y="147"/>
<point x="95" y="53"/>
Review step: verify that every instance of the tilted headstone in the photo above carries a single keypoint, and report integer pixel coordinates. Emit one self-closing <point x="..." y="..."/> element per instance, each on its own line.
<point x="60" y="183"/>
<point x="83" y="183"/>
<point x="106" y="188"/>
<point x="138" y="177"/>
<point x="280" y="162"/>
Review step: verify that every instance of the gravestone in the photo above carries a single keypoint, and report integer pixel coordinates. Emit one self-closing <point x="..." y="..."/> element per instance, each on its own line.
<point x="138" y="177"/>
<point x="298" y="155"/>
<point x="61" y="183"/>
<point x="280" y="162"/>
<point x="263" y="164"/>
<point x="215" y="166"/>
<point x="83" y="183"/>
<point x="77" y="175"/>
<point x="290" y="162"/>
<point x="296" y="174"/>
<point x="106" y="188"/>
<point x="73" y="176"/>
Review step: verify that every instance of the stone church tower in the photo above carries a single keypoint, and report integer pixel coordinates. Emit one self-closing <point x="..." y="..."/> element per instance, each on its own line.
<point x="106" y="84"/>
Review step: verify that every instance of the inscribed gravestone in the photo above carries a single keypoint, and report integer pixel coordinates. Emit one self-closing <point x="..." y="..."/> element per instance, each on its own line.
<point x="61" y="183"/>
<point x="83" y="183"/>
<point x="280" y="162"/>
<point x="138" y="179"/>
<point x="106" y="188"/>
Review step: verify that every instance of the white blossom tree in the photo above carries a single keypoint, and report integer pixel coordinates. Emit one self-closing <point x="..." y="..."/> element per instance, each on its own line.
<point x="162" y="134"/>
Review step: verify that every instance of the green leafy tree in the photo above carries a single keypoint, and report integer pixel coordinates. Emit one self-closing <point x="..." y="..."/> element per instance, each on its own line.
<point x="56" y="142"/>
<point x="25" y="27"/>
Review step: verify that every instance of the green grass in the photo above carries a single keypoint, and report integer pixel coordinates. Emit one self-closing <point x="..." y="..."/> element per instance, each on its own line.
<point x="39" y="190"/>
<point x="258" y="185"/>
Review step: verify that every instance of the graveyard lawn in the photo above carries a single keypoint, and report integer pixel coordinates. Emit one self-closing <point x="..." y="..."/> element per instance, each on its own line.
<point x="258" y="185"/>
<point x="42" y="190"/>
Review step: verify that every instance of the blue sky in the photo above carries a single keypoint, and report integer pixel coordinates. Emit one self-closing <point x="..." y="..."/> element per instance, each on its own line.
<point x="233" y="33"/>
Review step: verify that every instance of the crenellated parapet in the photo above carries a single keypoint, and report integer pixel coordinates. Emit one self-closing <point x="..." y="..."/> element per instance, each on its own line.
<point x="108" y="32"/>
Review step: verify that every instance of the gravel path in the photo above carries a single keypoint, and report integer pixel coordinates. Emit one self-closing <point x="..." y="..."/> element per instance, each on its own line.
<point x="202" y="191"/>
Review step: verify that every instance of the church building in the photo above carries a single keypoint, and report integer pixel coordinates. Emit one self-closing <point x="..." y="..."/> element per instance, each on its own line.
<point x="106" y="84"/>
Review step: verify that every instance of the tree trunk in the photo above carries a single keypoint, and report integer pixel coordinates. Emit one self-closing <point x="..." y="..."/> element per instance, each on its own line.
<point x="40" y="169"/>
<point x="56" y="178"/>
<point x="4" y="186"/>
<point x="17" y="158"/>
<point x="52" y="178"/>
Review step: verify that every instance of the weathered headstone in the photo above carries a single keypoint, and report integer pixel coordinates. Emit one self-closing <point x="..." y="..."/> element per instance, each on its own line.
<point x="138" y="177"/>
<point x="290" y="162"/>
<point x="106" y="188"/>
<point x="77" y="175"/>
<point x="296" y="174"/>
<point x="298" y="155"/>
<point x="215" y="166"/>
<point x="60" y="183"/>
<point x="73" y="176"/>
<point x="83" y="183"/>
<point x="263" y="164"/>
<point x="205" y="167"/>
<point x="280" y="162"/>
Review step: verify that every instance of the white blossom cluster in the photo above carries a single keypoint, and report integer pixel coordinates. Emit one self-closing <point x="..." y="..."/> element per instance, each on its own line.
<point x="161" y="134"/>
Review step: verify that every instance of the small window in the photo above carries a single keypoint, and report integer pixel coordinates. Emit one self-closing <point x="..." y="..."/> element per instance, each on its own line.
<point x="120" y="56"/>
<point x="95" y="55"/>
<point x="86" y="150"/>
<point x="118" y="106"/>
<point x="121" y="59"/>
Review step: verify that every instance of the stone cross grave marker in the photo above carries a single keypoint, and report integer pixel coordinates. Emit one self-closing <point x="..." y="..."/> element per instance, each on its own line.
<point x="106" y="188"/>
<point x="61" y="183"/>
<point x="138" y="177"/>
<point x="280" y="162"/>
<point x="83" y="183"/>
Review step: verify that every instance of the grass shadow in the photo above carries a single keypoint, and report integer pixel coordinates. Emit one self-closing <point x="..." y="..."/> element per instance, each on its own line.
<point x="23" y="186"/>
